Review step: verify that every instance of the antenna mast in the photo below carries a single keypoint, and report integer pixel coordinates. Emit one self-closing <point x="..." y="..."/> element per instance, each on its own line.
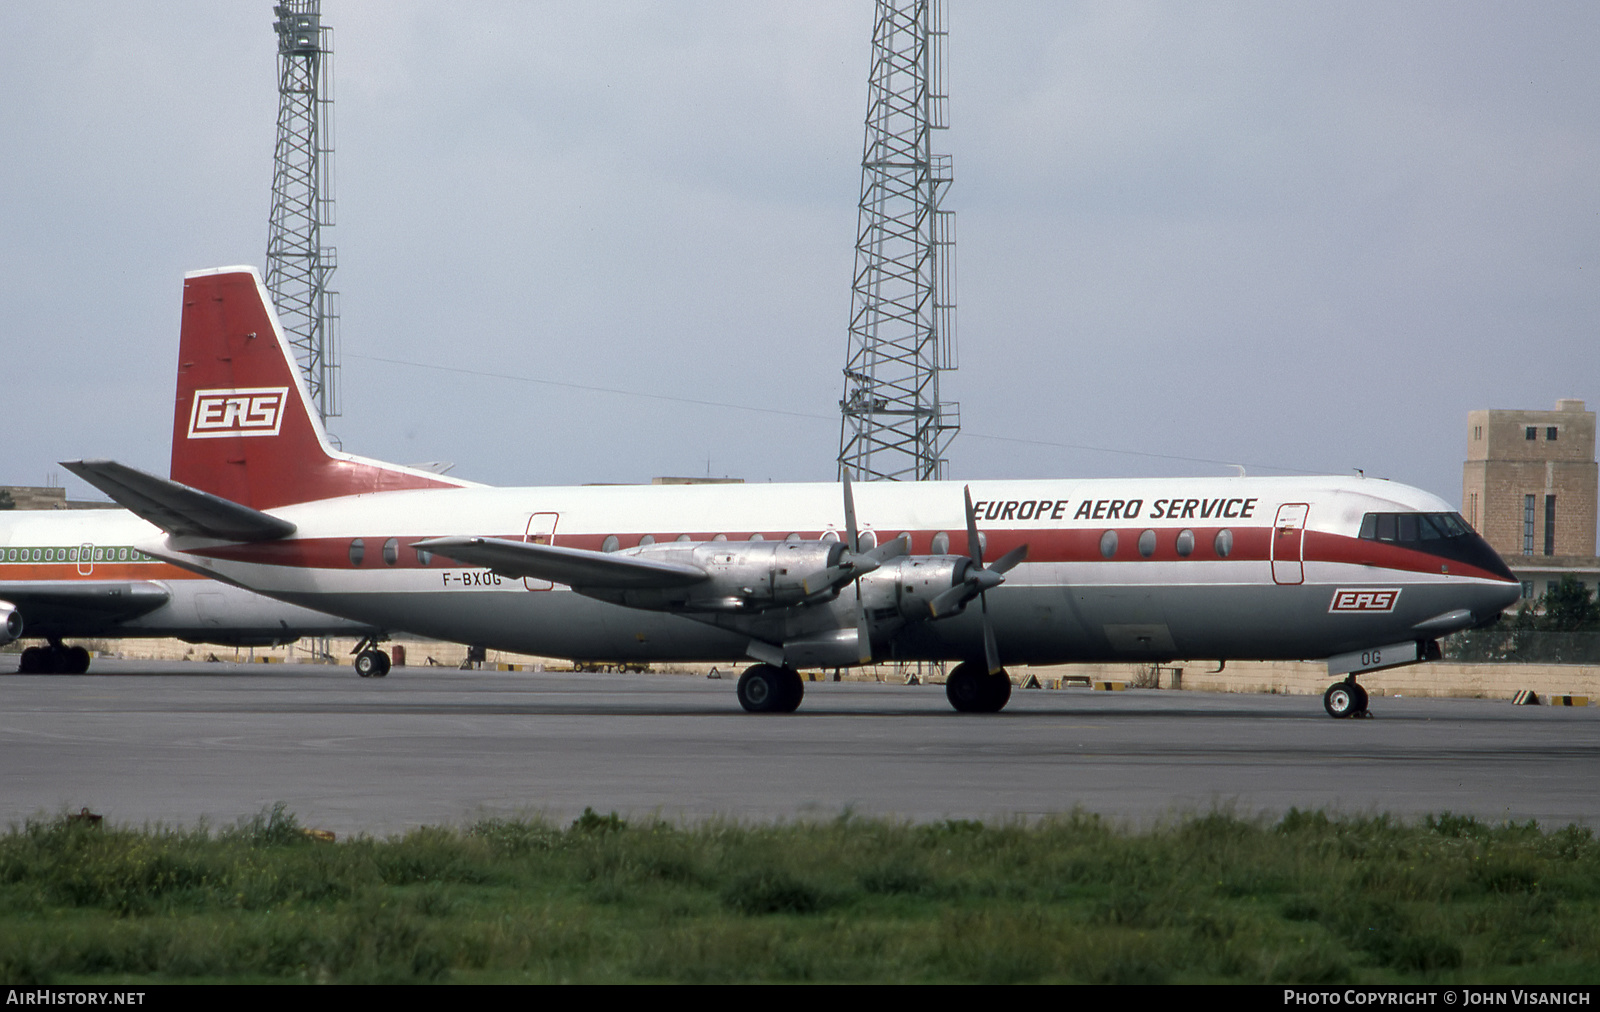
<point x="299" y="267"/>
<point x="902" y="313"/>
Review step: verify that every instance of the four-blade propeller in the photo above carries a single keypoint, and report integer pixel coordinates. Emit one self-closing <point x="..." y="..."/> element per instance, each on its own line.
<point x="976" y="581"/>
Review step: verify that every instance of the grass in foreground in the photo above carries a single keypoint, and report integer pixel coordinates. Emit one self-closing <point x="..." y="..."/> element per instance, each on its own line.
<point x="1308" y="899"/>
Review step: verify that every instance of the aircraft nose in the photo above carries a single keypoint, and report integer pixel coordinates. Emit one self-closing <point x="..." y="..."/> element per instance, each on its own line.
<point x="1492" y="601"/>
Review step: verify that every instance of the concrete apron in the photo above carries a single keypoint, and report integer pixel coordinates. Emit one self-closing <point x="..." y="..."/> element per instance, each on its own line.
<point x="1436" y="678"/>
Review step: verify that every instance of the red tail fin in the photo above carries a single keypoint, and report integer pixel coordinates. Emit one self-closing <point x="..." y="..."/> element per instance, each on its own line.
<point x="242" y="427"/>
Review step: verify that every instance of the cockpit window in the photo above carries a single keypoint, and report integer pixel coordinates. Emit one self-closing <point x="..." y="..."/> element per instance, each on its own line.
<point x="1443" y="535"/>
<point x="1411" y="528"/>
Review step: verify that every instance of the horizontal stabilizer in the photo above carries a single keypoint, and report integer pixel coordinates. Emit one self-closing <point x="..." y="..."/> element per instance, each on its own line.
<point x="178" y="509"/>
<point x="575" y="567"/>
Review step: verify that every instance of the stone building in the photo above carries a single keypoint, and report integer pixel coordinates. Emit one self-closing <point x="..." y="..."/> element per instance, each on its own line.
<point x="1530" y="486"/>
<point x="45" y="497"/>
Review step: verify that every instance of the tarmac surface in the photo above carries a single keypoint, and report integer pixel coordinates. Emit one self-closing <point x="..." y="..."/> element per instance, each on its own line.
<point x="177" y="743"/>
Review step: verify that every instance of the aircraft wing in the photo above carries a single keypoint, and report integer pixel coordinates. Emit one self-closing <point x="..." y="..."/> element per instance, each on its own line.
<point x="46" y="601"/>
<point x="575" y="567"/>
<point x="176" y="508"/>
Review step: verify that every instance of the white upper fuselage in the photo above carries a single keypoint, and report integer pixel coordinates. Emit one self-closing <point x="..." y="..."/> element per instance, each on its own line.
<point x="68" y="571"/>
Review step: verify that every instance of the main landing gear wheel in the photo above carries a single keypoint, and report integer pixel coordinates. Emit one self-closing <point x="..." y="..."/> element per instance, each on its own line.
<point x="767" y="688"/>
<point x="971" y="689"/>
<point x="1345" y="699"/>
<point x="372" y="664"/>
<point x="54" y="659"/>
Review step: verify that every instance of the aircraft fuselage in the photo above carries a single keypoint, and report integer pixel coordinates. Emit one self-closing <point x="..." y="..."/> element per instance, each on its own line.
<point x="1116" y="570"/>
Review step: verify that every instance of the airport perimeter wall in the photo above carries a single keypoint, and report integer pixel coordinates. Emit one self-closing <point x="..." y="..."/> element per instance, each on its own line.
<point x="1437" y="678"/>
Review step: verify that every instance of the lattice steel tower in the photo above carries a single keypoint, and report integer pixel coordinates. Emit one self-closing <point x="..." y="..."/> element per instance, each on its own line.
<point x="299" y="267"/>
<point x="902" y="313"/>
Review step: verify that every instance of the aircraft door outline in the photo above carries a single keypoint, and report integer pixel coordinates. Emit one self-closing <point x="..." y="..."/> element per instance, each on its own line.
<point x="1288" y="544"/>
<point x="86" y="559"/>
<point x="541" y="531"/>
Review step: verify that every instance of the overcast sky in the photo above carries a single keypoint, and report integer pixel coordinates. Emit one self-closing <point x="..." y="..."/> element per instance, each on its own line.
<point x="1294" y="236"/>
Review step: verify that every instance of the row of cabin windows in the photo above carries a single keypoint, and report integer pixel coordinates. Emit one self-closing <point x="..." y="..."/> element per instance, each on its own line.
<point x="72" y="555"/>
<point x="868" y="540"/>
<point x="391" y="552"/>
<point x="1183" y="544"/>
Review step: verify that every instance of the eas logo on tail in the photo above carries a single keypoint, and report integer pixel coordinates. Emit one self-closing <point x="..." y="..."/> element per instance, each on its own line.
<point x="257" y="411"/>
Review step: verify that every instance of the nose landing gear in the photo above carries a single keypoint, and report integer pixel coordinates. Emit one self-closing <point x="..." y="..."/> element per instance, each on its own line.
<point x="1345" y="699"/>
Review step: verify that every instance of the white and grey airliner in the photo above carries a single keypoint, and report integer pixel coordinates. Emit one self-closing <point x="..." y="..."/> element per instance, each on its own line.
<point x="1365" y="573"/>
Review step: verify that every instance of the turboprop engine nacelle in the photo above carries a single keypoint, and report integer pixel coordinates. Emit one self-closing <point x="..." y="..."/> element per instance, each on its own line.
<point x="743" y="576"/>
<point x="903" y="590"/>
<point x="10" y="622"/>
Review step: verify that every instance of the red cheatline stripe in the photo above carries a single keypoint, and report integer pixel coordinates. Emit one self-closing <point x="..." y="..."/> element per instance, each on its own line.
<point x="1250" y="544"/>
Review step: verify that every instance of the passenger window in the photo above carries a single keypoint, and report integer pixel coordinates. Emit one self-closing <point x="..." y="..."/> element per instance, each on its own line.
<point x="724" y="537"/>
<point x="941" y="543"/>
<point x="1108" y="544"/>
<point x="1185" y="543"/>
<point x="391" y="551"/>
<point x="1147" y="544"/>
<point x="792" y="538"/>
<point x="610" y="544"/>
<point x="683" y="537"/>
<point x="830" y="536"/>
<point x="1224" y="543"/>
<point x="358" y="551"/>
<point x="424" y="556"/>
<point x="868" y="540"/>
<point x="757" y="537"/>
<point x="648" y="539"/>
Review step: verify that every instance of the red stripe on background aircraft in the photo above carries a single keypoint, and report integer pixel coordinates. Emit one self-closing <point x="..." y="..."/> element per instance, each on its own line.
<point x="76" y="574"/>
<point x="1363" y="572"/>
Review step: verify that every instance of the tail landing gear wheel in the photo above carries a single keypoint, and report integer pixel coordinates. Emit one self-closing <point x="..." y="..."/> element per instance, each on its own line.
<point x="1345" y="699"/>
<point x="372" y="664"/>
<point x="766" y="688"/>
<point x="971" y="689"/>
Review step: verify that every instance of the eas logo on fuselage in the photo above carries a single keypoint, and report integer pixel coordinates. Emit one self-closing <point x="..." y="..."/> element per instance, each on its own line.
<point x="1365" y="600"/>
<point x="256" y="411"/>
